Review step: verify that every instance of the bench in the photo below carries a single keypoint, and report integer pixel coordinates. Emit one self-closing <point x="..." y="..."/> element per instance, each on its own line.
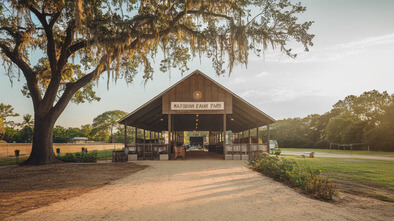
<point x="308" y="154"/>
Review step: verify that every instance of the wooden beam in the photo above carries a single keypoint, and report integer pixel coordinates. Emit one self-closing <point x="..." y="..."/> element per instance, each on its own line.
<point x="169" y="137"/>
<point x="125" y="135"/>
<point x="268" y="137"/>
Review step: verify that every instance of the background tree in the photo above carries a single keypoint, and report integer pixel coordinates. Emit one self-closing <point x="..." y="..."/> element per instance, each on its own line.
<point x="5" y="112"/>
<point x="86" y="131"/>
<point x="107" y="121"/>
<point x="382" y="137"/>
<point x="2" y="129"/>
<point x="59" y="135"/>
<point x="24" y="136"/>
<point x="120" y="35"/>
<point x="367" y="118"/>
<point x="28" y="121"/>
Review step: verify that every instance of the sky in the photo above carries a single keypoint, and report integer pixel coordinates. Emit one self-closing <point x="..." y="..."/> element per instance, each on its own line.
<point x="353" y="52"/>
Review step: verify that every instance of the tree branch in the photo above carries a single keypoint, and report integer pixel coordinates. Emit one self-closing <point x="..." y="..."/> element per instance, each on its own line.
<point x="29" y="74"/>
<point x="201" y="12"/>
<point x="66" y="44"/>
<point x="51" y="47"/>
<point x="54" y="18"/>
<point x="72" y="88"/>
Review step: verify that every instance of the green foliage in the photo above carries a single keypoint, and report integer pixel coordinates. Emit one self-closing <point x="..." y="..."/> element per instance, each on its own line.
<point x="25" y="135"/>
<point x="83" y="157"/>
<point x="59" y="135"/>
<point x="107" y="122"/>
<point x="296" y="175"/>
<point x="367" y="118"/>
<point x="2" y="129"/>
<point x="28" y="121"/>
<point x="276" y="152"/>
<point x="5" y="112"/>
<point x="64" y="135"/>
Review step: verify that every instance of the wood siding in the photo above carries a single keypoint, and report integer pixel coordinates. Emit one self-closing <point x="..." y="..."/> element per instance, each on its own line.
<point x="183" y="92"/>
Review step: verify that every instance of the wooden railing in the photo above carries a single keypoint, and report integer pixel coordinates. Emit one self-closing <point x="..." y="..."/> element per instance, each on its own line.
<point x="243" y="151"/>
<point x="148" y="151"/>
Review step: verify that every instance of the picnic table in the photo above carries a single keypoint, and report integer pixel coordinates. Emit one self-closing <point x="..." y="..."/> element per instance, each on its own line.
<point x="308" y="154"/>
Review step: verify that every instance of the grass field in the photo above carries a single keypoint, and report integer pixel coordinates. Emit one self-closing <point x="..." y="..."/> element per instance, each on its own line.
<point x="374" y="173"/>
<point x="357" y="152"/>
<point x="105" y="154"/>
<point x="5" y="161"/>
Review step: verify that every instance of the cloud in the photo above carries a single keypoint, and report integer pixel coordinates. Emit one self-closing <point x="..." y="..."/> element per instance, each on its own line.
<point x="237" y="80"/>
<point x="273" y="95"/>
<point x="247" y="79"/>
<point x="263" y="74"/>
<point x="335" y="52"/>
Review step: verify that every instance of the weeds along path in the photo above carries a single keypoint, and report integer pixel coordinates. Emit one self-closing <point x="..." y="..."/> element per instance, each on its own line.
<point x="201" y="190"/>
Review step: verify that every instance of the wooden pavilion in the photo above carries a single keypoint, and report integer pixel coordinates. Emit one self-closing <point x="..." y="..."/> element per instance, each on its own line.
<point x="197" y="103"/>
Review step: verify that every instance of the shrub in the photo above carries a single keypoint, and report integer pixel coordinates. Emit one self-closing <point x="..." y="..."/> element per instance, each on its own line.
<point x="295" y="175"/>
<point x="79" y="157"/>
<point x="276" y="152"/>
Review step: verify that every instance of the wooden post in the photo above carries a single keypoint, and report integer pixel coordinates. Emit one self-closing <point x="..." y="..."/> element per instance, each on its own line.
<point x="150" y="144"/>
<point x="125" y="135"/>
<point x="169" y="136"/>
<point x="224" y="135"/>
<point x="250" y="142"/>
<point x="257" y="137"/>
<point x="268" y="137"/>
<point x="144" y="146"/>
<point x="250" y="139"/>
<point x="135" y="139"/>
<point x="241" y="151"/>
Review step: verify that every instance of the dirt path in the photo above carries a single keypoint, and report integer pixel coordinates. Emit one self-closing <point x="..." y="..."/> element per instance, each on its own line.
<point x="321" y="154"/>
<point x="200" y="190"/>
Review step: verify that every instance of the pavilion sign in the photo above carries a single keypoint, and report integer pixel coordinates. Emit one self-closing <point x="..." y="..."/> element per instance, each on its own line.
<point x="197" y="106"/>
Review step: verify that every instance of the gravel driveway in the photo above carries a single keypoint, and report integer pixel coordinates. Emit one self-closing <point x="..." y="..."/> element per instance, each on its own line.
<point x="197" y="190"/>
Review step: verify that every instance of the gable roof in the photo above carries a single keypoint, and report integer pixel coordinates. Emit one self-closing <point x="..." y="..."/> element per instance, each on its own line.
<point x="148" y="116"/>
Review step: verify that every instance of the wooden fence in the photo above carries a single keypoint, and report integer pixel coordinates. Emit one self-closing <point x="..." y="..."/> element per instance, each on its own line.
<point x="8" y="149"/>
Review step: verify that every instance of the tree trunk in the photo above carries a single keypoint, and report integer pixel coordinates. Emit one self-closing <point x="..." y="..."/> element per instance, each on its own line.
<point x="42" y="150"/>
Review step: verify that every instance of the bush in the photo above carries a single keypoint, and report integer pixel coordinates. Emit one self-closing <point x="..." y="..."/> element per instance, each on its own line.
<point x="295" y="175"/>
<point x="276" y="152"/>
<point x="79" y="157"/>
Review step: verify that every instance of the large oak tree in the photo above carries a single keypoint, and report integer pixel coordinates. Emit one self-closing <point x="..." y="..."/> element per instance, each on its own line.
<point x="79" y="40"/>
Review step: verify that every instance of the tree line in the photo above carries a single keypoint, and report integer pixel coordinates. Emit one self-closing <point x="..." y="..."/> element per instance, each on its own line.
<point x="103" y="129"/>
<point x="367" y="118"/>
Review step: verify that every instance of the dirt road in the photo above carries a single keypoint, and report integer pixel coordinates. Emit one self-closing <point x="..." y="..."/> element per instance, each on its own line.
<point x="200" y="190"/>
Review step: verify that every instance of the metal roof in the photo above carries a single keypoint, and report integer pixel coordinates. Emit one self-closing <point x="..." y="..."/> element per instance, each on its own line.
<point x="149" y="115"/>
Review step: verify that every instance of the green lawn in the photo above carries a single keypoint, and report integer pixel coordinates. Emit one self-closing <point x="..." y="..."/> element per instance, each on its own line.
<point x="378" y="173"/>
<point x="105" y="154"/>
<point x="358" y="152"/>
<point x="6" y="161"/>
